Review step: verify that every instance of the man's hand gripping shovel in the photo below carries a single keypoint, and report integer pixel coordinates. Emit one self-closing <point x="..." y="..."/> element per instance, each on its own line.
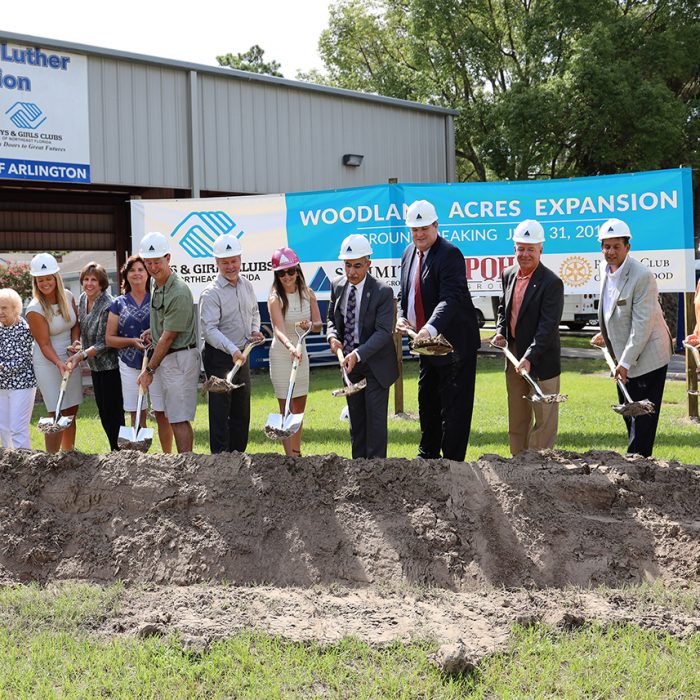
<point x="349" y="387"/>
<point x="217" y="385"/>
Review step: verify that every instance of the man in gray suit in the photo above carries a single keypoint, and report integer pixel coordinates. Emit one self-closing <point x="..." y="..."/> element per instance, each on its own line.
<point x="360" y="322"/>
<point x="633" y="328"/>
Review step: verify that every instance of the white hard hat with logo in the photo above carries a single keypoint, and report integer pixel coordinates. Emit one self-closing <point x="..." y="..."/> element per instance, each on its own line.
<point x="43" y="264"/>
<point x="614" y="228"/>
<point x="528" y="231"/>
<point x="227" y="246"/>
<point x="154" y="245"/>
<point x="355" y="246"/>
<point x="420" y="213"/>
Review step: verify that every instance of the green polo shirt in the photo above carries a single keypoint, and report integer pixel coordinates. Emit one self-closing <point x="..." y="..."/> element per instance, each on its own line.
<point x="172" y="309"/>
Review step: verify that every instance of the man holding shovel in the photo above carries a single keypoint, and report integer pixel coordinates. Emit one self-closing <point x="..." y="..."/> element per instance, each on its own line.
<point x="434" y="299"/>
<point x="360" y="322"/>
<point x="174" y="366"/>
<point x="633" y="329"/>
<point x="230" y="318"/>
<point x="529" y="314"/>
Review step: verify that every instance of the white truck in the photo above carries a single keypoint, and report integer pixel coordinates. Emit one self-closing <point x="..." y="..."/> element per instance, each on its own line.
<point x="579" y="309"/>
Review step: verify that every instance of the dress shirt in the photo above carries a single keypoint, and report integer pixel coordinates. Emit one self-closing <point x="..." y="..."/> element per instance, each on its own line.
<point x="411" y="306"/>
<point x="612" y="282"/>
<point x="521" y="282"/>
<point x="229" y="314"/>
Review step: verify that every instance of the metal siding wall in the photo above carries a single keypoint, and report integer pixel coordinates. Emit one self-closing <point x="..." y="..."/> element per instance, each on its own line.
<point x="138" y="124"/>
<point x="260" y="138"/>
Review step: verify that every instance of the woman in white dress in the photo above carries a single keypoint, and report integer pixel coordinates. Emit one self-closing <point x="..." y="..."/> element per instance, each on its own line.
<point x="290" y="302"/>
<point x="53" y="321"/>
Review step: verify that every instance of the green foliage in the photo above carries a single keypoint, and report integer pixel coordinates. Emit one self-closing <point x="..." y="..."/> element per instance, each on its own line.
<point x="544" y="88"/>
<point x="16" y="276"/>
<point x="252" y="61"/>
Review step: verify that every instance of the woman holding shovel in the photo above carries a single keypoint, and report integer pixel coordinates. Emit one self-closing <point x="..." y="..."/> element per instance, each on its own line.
<point x="93" y="308"/>
<point x="290" y="303"/>
<point x="53" y="321"/>
<point x="129" y="317"/>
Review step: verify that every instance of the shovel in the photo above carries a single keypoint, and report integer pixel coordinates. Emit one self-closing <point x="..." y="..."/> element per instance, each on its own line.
<point x="58" y="422"/>
<point x="217" y="385"/>
<point x="349" y="387"/>
<point x="539" y="396"/>
<point x="438" y="345"/>
<point x="278" y="426"/>
<point x="130" y="438"/>
<point x="629" y="408"/>
<point x="696" y="356"/>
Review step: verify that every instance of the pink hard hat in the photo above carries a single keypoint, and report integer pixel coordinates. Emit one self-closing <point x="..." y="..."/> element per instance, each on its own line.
<point x="284" y="258"/>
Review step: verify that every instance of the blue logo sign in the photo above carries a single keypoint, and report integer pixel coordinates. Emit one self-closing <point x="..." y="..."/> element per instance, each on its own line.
<point x="197" y="232"/>
<point x="26" y="115"/>
<point x="320" y="281"/>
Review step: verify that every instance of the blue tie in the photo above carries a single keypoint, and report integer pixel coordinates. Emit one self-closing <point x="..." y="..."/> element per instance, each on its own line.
<point x="349" y="335"/>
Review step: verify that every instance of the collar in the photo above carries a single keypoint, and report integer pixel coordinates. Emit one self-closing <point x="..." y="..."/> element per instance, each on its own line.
<point x="616" y="275"/>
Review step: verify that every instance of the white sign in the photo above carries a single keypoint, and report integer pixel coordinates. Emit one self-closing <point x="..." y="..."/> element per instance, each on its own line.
<point x="44" y="127"/>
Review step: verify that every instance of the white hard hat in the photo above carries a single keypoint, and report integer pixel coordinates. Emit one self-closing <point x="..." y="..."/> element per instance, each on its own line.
<point x="528" y="231"/>
<point x="614" y="228"/>
<point x="421" y="213"/>
<point x="354" y="246"/>
<point x="154" y="245"/>
<point x="43" y="264"/>
<point x="227" y="246"/>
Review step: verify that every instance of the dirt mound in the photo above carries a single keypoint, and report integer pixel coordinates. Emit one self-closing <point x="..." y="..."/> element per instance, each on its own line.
<point x="537" y="521"/>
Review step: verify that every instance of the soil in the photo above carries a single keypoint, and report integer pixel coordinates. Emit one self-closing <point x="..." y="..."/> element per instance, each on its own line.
<point x="324" y="547"/>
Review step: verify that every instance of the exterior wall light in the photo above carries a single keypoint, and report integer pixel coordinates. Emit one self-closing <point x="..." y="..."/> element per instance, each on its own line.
<point x="352" y="160"/>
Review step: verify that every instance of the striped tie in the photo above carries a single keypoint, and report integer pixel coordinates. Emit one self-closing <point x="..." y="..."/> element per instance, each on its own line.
<point x="349" y="334"/>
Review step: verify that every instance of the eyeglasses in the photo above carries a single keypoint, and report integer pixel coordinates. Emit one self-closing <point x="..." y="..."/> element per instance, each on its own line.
<point x="290" y="271"/>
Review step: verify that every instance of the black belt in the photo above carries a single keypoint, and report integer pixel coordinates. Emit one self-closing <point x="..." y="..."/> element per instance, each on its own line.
<point x="187" y="347"/>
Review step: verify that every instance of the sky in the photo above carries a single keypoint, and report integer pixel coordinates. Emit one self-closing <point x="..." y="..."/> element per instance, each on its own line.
<point x="288" y="31"/>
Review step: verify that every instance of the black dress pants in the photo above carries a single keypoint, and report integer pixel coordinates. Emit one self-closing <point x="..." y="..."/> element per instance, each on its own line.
<point x="445" y="405"/>
<point x="229" y="414"/>
<point x="107" y="385"/>
<point x="368" y="416"/>
<point x="641" y="430"/>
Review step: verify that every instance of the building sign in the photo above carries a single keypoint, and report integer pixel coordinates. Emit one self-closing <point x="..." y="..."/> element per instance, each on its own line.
<point x="479" y="218"/>
<point x="44" y="129"/>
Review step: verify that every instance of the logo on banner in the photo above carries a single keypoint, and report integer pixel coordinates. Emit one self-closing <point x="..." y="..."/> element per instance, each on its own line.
<point x="26" y="115"/>
<point x="320" y="281"/>
<point x="575" y="271"/>
<point x="196" y="233"/>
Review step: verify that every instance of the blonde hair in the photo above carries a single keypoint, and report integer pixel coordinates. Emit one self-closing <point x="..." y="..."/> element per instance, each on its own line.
<point x="61" y="298"/>
<point x="14" y="299"/>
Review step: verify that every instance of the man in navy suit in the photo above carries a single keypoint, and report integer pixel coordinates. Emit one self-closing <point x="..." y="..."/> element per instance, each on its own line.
<point x="360" y="320"/>
<point x="434" y="298"/>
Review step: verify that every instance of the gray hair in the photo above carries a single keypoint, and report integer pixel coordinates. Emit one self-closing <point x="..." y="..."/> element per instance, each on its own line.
<point x="14" y="299"/>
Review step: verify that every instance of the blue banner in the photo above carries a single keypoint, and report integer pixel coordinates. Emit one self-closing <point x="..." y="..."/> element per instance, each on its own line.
<point x="480" y="217"/>
<point x="44" y="170"/>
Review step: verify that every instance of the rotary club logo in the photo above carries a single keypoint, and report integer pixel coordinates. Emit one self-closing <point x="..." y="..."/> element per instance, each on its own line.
<point x="575" y="271"/>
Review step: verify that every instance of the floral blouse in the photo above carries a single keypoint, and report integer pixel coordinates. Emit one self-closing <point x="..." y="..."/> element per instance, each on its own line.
<point x="17" y="368"/>
<point x="93" y="328"/>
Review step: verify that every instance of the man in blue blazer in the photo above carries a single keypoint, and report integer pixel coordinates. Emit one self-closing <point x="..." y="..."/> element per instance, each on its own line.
<point x="434" y="298"/>
<point x="360" y="322"/>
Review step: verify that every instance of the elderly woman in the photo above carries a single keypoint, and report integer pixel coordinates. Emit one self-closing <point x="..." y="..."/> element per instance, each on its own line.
<point x="17" y="380"/>
<point x="290" y="302"/>
<point x="53" y="321"/>
<point x="129" y="318"/>
<point x="93" y="310"/>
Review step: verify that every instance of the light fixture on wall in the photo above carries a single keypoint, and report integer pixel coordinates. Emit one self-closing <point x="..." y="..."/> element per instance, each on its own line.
<point x="353" y="160"/>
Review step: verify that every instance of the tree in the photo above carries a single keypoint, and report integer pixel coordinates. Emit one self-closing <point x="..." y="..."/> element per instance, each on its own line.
<point x="251" y="61"/>
<point x="544" y="88"/>
<point x="16" y="276"/>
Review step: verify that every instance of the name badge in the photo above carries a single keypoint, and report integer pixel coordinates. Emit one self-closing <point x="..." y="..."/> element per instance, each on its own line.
<point x="622" y="302"/>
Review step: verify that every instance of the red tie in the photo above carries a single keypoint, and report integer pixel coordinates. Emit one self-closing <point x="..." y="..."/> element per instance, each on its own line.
<point x="418" y="299"/>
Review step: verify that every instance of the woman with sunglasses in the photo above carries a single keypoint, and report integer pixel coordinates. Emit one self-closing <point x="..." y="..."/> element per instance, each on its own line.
<point x="290" y="302"/>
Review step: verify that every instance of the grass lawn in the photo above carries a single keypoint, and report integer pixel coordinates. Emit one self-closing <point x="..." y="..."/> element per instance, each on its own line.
<point x="48" y="649"/>
<point x="586" y="420"/>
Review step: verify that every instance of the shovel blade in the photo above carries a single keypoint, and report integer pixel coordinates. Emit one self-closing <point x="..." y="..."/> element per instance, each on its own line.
<point x="51" y="425"/>
<point x="350" y="389"/>
<point x="635" y="408"/>
<point x="279" y="427"/>
<point x="547" y="398"/>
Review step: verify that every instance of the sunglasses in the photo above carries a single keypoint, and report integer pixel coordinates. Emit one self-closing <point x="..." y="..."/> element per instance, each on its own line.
<point x="290" y="271"/>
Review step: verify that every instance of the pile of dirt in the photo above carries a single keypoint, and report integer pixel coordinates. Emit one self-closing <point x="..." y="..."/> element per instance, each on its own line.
<point x="540" y="520"/>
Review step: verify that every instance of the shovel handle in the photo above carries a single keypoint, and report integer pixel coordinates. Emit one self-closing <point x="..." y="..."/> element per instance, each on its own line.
<point x="340" y="356"/>
<point x="612" y="365"/>
<point x="64" y="381"/>
<point x="515" y="362"/>
<point x="694" y="352"/>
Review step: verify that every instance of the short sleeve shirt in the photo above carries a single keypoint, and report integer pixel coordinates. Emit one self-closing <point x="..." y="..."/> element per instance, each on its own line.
<point x="134" y="319"/>
<point x="172" y="309"/>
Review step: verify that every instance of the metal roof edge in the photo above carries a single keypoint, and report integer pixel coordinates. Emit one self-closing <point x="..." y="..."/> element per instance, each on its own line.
<point x="12" y="37"/>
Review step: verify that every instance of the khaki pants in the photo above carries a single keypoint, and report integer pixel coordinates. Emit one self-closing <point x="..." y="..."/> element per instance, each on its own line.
<point x="522" y="433"/>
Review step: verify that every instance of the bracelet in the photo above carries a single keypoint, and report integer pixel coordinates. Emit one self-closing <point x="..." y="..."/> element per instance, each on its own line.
<point x="84" y="354"/>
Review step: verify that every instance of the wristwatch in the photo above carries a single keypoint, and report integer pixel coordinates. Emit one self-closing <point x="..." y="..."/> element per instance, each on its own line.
<point x="150" y="370"/>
